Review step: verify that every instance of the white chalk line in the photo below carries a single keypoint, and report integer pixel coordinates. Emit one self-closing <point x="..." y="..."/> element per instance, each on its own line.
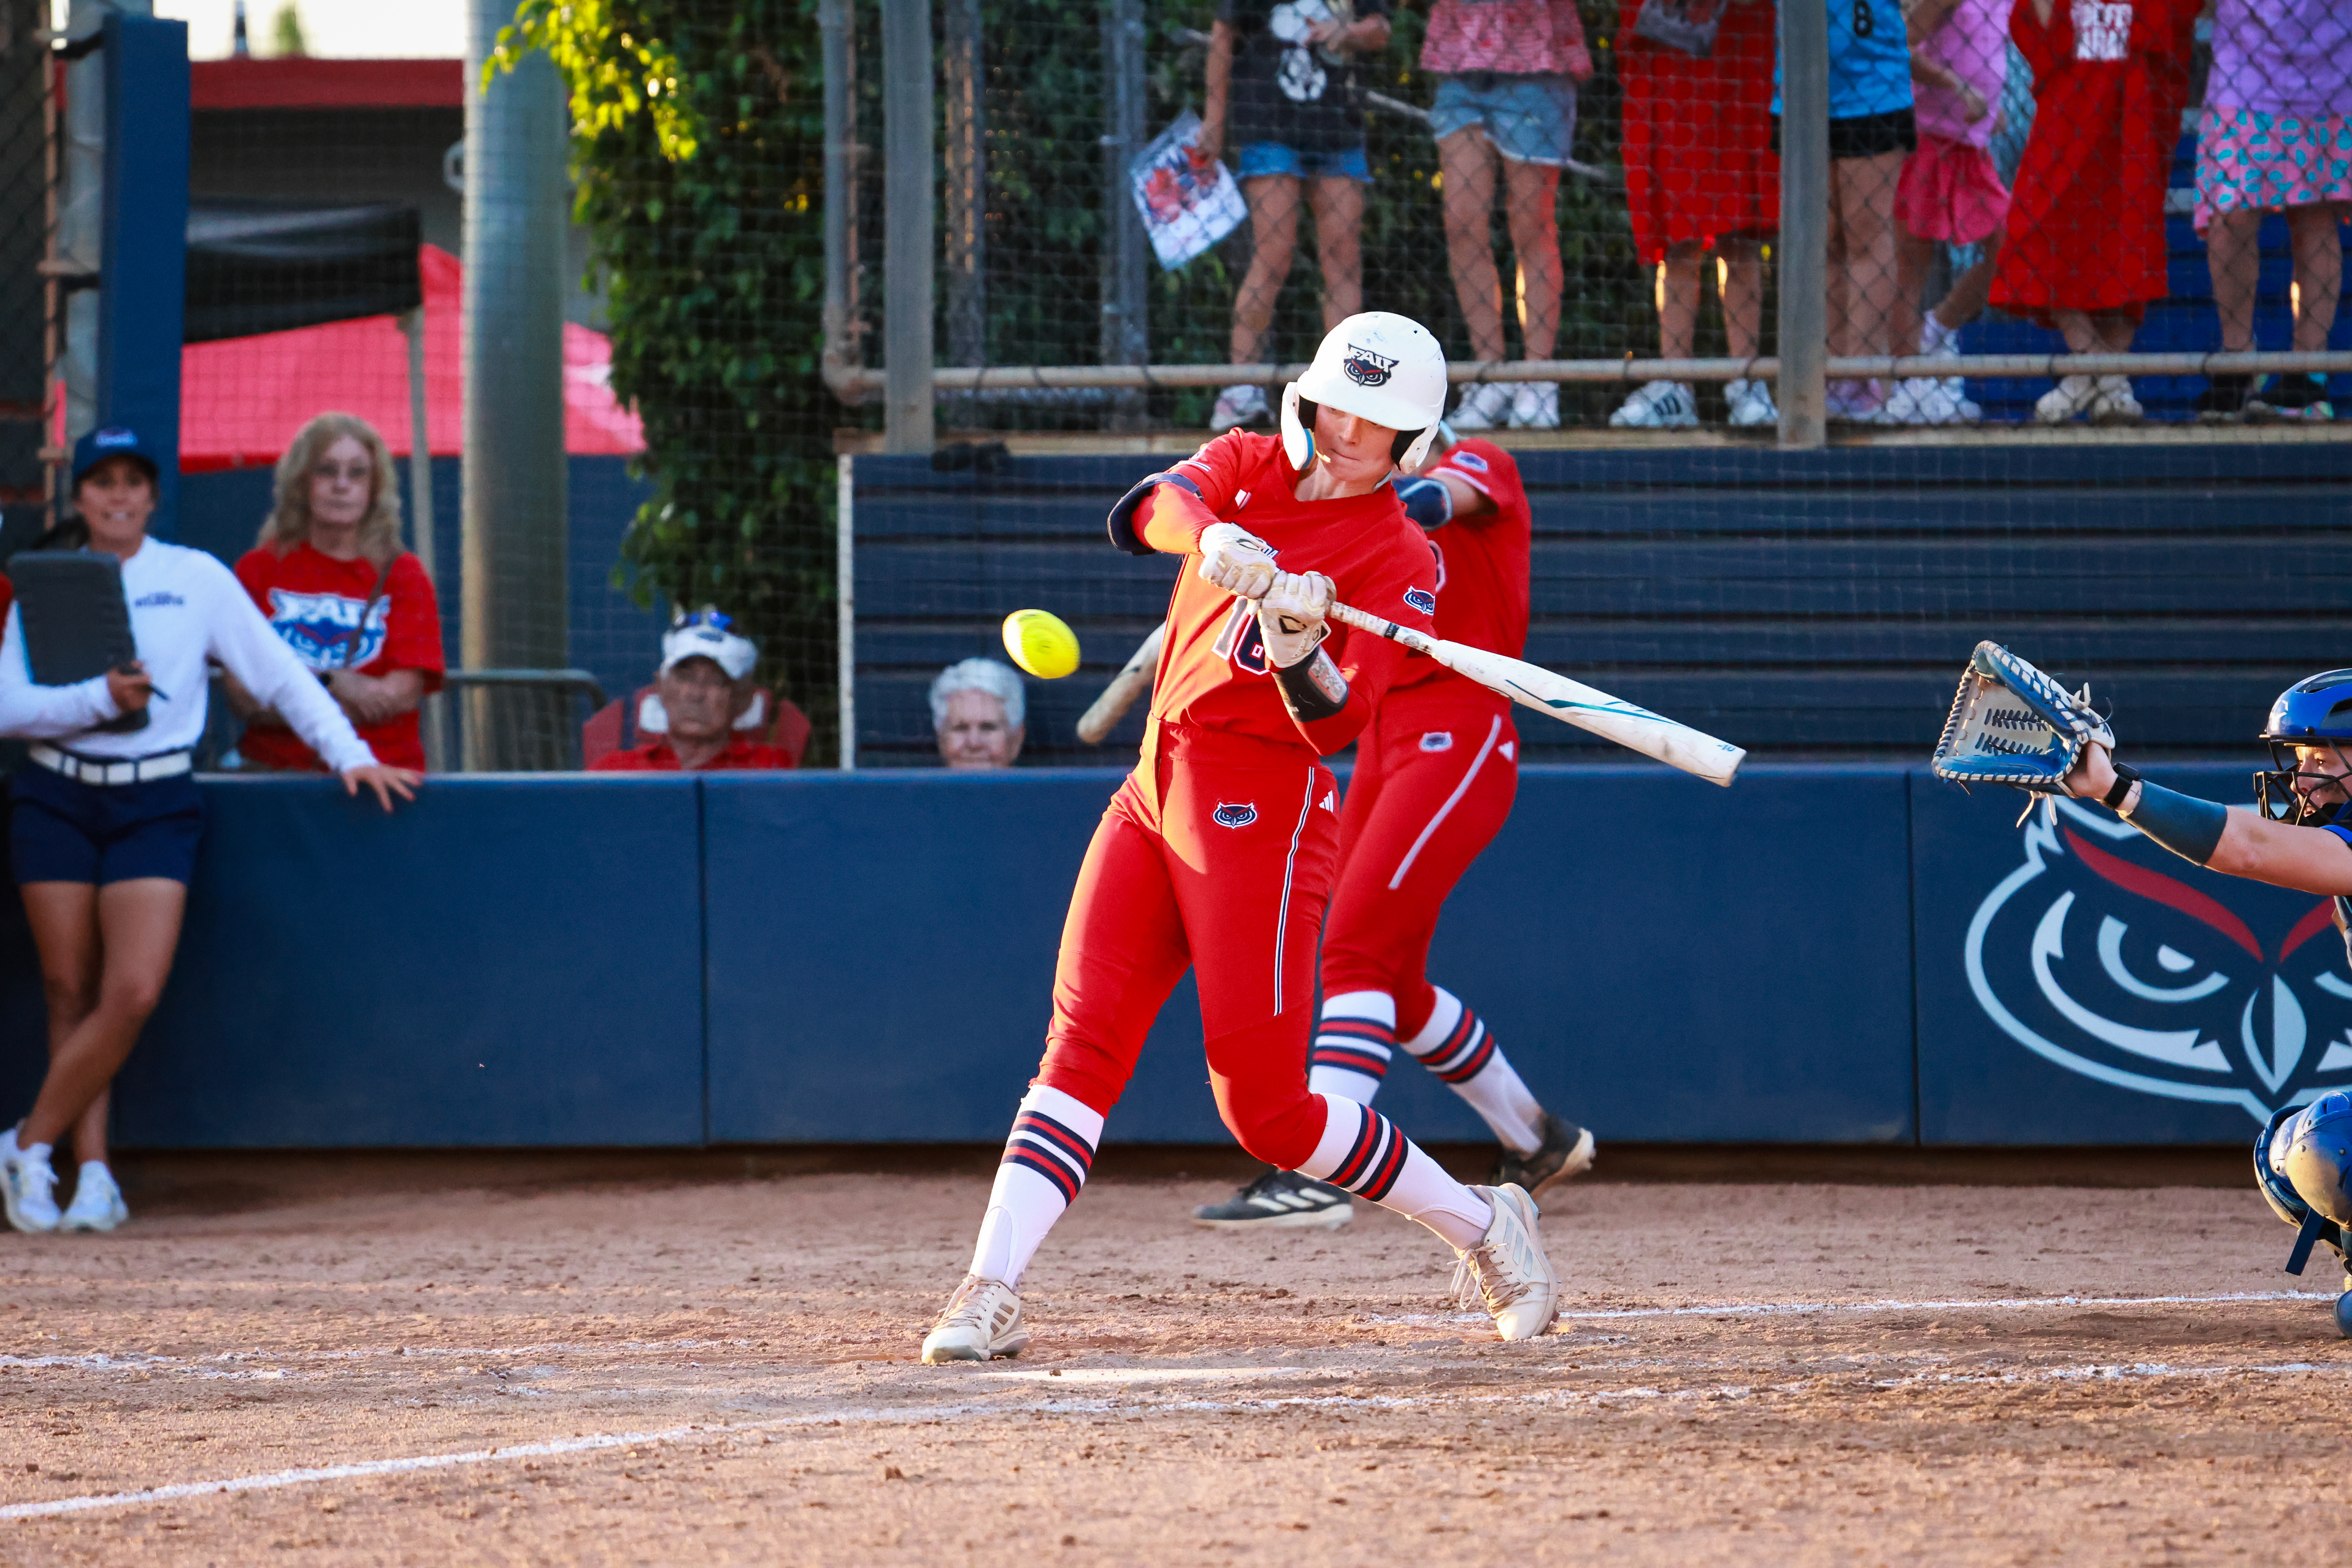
<point x="1801" y="1309"/>
<point x="923" y="1414"/>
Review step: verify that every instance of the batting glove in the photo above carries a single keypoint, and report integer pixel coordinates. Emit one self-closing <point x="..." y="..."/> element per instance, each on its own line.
<point x="1292" y="616"/>
<point x="1236" y="560"/>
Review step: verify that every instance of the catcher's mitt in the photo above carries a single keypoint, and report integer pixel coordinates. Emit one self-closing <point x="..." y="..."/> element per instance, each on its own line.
<point x="2011" y="724"/>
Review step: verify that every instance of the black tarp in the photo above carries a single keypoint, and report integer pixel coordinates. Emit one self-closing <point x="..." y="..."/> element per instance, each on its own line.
<point x="258" y="265"/>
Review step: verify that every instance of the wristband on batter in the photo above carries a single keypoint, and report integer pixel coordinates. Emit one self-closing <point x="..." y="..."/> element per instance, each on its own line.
<point x="1313" y="688"/>
<point x="2189" y="827"/>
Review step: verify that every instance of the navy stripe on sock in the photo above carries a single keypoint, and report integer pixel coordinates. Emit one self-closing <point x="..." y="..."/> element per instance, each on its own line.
<point x="1374" y="1160"/>
<point x="1043" y="1127"/>
<point x="1350" y="1059"/>
<point x="1476" y="1062"/>
<point x="1371" y="1029"/>
<point x="1046" y="1165"/>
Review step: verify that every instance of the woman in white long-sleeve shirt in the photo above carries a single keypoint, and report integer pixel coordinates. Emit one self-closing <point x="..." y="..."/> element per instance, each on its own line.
<point x="104" y="832"/>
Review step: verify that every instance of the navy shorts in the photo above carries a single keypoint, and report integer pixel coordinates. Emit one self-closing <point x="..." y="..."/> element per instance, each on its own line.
<point x="67" y="831"/>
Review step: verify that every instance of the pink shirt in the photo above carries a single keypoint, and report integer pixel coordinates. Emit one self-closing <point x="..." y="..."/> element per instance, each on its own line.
<point x="1520" y="37"/>
<point x="1972" y="43"/>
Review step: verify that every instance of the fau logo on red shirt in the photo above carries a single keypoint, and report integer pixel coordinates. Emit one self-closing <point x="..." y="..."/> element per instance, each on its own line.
<point x="1422" y="599"/>
<point x="324" y="630"/>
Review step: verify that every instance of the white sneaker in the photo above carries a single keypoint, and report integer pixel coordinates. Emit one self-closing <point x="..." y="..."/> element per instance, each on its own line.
<point x="2070" y="399"/>
<point x="981" y="1322"/>
<point x="28" y="1186"/>
<point x="1508" y="1271"/>
<point x="1483" y="405"/>
<point x="1239" y="405"/>
<point x="1855" y="402"/>
<point x="2112" y="403"/>
<point x="1658" y="405"/>
<point x="1535" y="405"/>
<point x="97" y="1200"/>
<point x="1751" y="405"/>
<point x="1923" y="399"/>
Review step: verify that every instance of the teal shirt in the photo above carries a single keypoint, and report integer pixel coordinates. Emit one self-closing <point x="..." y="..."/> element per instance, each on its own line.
<point x="1870" y="60"/>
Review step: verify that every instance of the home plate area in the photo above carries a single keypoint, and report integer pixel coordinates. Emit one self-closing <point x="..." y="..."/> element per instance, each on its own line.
<point x="727" y="1373"/>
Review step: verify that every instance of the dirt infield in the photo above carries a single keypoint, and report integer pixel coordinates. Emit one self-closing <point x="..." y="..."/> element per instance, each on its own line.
<point x="725" y="1373"/>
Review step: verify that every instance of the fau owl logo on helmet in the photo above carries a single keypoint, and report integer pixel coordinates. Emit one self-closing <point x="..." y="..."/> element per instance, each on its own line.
<point x="1366" y="368"/>
<point x="2110" y="957"/>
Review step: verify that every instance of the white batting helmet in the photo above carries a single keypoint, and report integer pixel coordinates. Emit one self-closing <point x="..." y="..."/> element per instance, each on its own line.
<point x="1379" y="367"/>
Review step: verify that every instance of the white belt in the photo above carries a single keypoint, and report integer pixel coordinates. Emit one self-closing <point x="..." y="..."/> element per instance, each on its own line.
<point x="168" y="765"/>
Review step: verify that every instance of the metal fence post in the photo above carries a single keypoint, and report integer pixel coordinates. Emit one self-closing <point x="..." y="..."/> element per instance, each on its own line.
<point x="843" y="354"/>
<point x="967" y="192"/>
<point x="514" y="515"/>
<point x="845" y="605"/>
<point x="1124" y="336"/>
<point x="1804" y="245"/>
<point x="908" y="178"/>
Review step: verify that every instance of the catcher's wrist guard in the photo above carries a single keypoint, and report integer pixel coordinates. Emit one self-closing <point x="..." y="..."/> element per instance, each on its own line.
<point x="2120" y="791"/>
<point x="2010" y="724"/>
<point x="2189" y="827"/>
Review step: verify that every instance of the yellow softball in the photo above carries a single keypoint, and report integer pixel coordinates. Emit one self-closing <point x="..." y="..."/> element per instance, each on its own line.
<point x="1041" y="643"/>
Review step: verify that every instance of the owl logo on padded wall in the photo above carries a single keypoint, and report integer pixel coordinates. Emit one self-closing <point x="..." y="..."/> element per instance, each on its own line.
<point x="2116" y="959"/>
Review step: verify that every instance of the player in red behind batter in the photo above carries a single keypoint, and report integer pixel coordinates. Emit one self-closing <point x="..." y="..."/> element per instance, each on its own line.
<point x="1219" y="850"/>
<point x="1435" y="774"/>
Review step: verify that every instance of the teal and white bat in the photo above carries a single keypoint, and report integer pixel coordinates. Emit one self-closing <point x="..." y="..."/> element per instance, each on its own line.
<point x="1571" y="702"/>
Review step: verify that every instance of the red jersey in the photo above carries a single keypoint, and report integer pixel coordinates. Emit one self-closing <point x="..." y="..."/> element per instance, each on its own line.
<point x="656" y="757"/>
<point x="1482" y="563"/>
<point x="318" y="605"/>
<point x="1213" y="671"/>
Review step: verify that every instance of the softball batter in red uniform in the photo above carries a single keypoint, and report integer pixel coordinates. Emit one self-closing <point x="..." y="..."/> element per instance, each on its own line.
<point x="1435" y="774"/>
<point x="1218" y="852"/>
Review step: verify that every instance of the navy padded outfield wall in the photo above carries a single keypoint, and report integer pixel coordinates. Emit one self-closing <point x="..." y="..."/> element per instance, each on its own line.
<point x="1818" y="954"/>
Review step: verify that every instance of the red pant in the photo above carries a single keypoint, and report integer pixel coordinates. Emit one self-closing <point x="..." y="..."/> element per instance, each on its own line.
<point x="1218" y="851"/>
<point x="1435" y="775"/>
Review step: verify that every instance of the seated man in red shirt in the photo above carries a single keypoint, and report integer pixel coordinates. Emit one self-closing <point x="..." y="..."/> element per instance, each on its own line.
<point x="703" y="687"/>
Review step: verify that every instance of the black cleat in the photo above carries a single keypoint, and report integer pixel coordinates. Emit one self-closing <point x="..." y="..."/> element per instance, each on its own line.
<point x="2223" y="401"/>
<point x="1565" y="1150"/>
<point x="2295" y="399"/>
<point x="1279" y="1200"/>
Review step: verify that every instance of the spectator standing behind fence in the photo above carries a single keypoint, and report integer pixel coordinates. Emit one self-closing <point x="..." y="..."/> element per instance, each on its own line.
<point x="978" y="715"/>
<point x="357" y="609"/>
<point x="1872" y="129"/>
<point x="1283" y="89"/>
<point x="1700" y="175"/>
<point x="2274" y="136"/>
<point x="106" y="824"/>
<point x="2085" y="249"/>
<point x="702" y="688"/>
<point x="1950" y="192"/>
<point x="1506" y="71"/>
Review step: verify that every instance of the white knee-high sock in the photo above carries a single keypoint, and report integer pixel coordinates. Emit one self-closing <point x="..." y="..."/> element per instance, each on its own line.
<point x="1352" y="1044"/>
<point x="1046" y="1162"/>
<point x="1456" y="1046"/>
<point x="1362" y="1152"/>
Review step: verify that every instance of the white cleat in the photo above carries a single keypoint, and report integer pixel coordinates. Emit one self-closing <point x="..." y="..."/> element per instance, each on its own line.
<point x="1926" y="399"/>
<point x="981" y="1322"/>
<point x="1657" y="406"/>
<point x="97" y="1202"/>
<point x="1535" y="405"/>
<point x="1751" y="405"/>
<point x="28" y="1186"/>
<point x="1507" y="1272"/>
<point x="1239" y="405"/>
<point x="1483" y="405"/>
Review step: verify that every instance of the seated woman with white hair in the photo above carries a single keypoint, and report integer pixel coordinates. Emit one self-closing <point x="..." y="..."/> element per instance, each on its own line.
<point x="977" y="711"/>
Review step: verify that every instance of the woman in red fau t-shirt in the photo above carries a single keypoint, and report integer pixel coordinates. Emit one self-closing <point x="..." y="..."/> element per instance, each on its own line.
<point x="330" y="574"/>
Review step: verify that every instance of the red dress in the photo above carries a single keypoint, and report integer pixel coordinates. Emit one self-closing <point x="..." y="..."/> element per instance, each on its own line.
<point x="2086" y="220"/>
<point x="345" y="614"/>
<point x="1698" y="134"/>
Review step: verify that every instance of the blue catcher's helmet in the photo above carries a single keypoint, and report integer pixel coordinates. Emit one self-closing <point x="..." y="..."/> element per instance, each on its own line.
<point x="2316" y="710"/>
<point x="2302" y="1162"/>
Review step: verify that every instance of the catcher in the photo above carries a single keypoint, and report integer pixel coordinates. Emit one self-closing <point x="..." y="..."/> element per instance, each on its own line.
<point x="2013" y="724"/>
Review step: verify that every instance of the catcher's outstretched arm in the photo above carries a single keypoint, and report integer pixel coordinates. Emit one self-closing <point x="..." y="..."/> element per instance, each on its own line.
<point x="2233" y="840"/>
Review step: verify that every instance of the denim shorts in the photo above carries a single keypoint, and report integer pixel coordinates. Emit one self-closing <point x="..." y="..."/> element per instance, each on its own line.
<point x="1529" y="119"/>
<point x="1275" y="158"/>
<point x="64" y="830"/>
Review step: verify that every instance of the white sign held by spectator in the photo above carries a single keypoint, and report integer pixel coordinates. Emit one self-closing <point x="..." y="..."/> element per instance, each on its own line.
<point x="1188" y="202"/>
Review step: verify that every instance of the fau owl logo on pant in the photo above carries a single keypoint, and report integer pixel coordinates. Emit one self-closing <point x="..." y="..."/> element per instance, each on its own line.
<point x="2118" y="960"/>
